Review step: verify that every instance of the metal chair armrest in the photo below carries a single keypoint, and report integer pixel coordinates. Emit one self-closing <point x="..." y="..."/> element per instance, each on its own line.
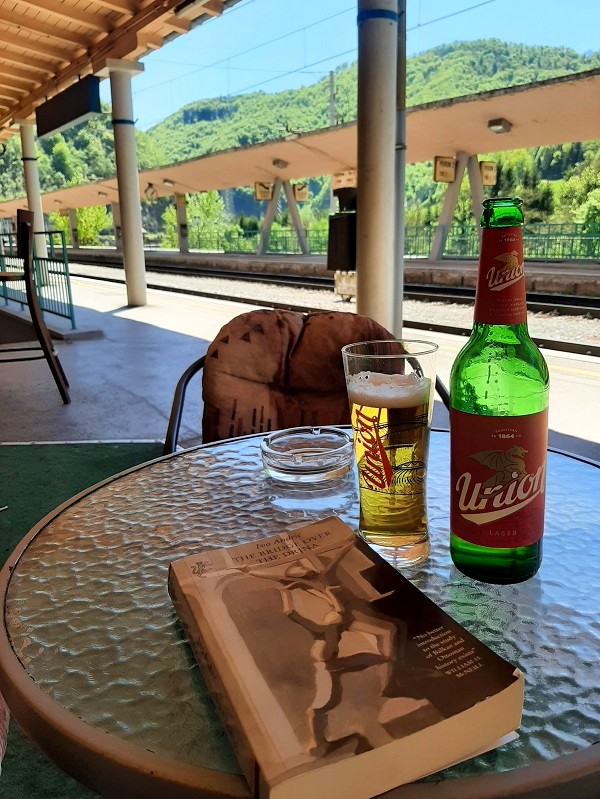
<point x="177" y="406"/>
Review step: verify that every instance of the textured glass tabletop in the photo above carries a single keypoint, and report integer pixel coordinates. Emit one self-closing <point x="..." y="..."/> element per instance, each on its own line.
<point x="90" y="620"/>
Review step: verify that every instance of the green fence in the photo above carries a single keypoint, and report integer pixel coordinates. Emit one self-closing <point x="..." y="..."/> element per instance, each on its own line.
<point x="541" y="242"/>
<point x="51" y="274"/>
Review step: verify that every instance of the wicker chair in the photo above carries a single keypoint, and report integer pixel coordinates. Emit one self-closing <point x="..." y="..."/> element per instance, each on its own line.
<point x="272" y="369"/>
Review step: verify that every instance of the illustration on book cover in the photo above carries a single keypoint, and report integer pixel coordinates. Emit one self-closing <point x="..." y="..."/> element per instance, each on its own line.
<point x="349" y="675"/>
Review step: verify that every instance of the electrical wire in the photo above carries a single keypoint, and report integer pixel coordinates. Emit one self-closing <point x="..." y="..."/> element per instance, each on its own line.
<point x="245" y="52"/>
<point x="301" y="70"/>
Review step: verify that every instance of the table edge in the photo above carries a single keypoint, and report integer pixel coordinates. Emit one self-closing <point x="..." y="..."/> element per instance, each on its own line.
<point x="45" y="720"/>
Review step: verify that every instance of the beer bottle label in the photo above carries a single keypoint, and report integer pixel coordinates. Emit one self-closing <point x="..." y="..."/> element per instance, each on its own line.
<point x="500" y="297"/>
<point x="498" y="478"/>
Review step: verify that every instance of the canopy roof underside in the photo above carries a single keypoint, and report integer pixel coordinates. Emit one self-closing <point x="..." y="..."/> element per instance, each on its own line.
<point x="46" y="45"/>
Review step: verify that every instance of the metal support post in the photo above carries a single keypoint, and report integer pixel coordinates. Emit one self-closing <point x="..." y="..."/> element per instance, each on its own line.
<point x="120" y="74"/>
<point x="476" y="184"/>
<point x="376" y="133"/>
<point x="72" y="215"/>
<point x="115" y="210"/>
<point x="294" y="213"/>
<point x="265" y="231"/>
<point x="448" y="207"/>
<point x="400" y="169"/>
<point x="32" y="185"/>
<point x="181" y="222"/>
<point x="332" y="203"/>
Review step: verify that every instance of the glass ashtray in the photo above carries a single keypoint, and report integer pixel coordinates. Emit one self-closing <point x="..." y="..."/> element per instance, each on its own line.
<point x="307" y="454"/>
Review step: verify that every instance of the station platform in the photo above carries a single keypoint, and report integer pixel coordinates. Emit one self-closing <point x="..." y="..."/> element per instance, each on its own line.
<point x="556" y="277"/>
<point x="123" y="379"/>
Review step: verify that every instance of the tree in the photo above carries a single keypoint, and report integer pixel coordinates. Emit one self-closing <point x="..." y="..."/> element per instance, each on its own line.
<point x="538" y="200"/>
<point x="90" y="223"/>
<point x="57" y="221"/>
<point x="207" y="222"/>
<point x="62" y="161"/>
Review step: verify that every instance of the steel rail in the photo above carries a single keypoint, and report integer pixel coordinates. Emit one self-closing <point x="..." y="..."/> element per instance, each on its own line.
<point x="536" y="301"/>
<point x="321" y="283"/>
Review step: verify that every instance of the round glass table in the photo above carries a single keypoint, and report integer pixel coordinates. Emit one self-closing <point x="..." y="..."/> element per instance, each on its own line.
<point x="96" y="669"/>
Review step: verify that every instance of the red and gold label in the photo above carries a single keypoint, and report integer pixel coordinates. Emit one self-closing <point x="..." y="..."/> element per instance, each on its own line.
<point x="498" y="478"/>
<point x="500" y="297"/>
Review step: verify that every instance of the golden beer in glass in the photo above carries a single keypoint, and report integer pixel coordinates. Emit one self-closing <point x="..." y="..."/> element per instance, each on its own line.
<point x="390" y="389"/>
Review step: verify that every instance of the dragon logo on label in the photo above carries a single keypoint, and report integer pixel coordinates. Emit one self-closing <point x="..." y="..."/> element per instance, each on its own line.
<point x="499" y="278"/>
<point x="509" y="488"/>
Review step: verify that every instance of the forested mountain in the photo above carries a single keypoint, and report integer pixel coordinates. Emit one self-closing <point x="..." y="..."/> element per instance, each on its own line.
<point x="451" y="70"/>
<point x="85" y="153"/>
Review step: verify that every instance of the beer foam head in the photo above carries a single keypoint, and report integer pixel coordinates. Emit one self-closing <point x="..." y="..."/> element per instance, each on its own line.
<point x="389" y="391"/>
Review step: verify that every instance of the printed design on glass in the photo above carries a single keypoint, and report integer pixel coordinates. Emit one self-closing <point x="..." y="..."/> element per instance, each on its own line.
<point x="409" y="475"/>
<point x="380" y="440"/>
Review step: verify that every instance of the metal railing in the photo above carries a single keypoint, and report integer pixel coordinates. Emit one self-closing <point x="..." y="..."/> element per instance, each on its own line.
<point x="541" y="242"/>
<point x="52" y="280"/>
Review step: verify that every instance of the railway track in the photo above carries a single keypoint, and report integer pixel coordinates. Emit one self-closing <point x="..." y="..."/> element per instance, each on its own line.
<point x="540" y="303"/>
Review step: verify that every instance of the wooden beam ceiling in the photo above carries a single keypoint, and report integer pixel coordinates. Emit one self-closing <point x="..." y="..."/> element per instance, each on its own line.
<point x="46" y="45"/>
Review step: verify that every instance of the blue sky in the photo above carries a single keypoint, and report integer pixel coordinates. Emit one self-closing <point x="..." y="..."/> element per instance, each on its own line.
<point x="272" y="45"/>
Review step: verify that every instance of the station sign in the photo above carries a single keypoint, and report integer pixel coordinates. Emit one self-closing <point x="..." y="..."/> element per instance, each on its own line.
<point x="301" y="192"/>
<point x="444" y="169"/>
<point x="263" y="191"/>
<point x="489" y="172"/>
<point x="344" y="180"/>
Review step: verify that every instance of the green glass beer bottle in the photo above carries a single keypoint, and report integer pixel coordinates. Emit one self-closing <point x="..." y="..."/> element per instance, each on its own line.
<point x="498" y="417"/>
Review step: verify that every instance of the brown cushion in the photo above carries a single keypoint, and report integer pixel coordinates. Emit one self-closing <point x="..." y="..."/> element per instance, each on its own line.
<point x="267" y="370"/>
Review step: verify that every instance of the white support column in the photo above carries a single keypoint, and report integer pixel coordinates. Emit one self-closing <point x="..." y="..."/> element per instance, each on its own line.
<point x="332" y="202"/>
<point x="448" y="207"/>
<point x="120" y="74"/>
<point x="400" y="169"/>
<point x="32" y="184"/>
<point x="72" y="214"/>
<point x="476" y="184"/>
<point x="115" y="210"/>
<point x="376" y="132"/>
<point x="265" y="231"/>
<point x="182" y="223"/>
<point x="293" y="209"/>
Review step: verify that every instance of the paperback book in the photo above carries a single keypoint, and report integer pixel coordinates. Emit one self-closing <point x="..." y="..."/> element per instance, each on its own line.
<point x="333" y="675"/>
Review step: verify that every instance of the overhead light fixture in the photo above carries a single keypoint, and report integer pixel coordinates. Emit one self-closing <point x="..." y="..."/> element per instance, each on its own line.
<point x="279" y="163"/>
<point x="500" y="125"/>
<point x="168" y="182"/>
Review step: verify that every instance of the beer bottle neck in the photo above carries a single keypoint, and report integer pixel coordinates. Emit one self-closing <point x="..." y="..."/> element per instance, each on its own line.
<point x="500" y="296"/>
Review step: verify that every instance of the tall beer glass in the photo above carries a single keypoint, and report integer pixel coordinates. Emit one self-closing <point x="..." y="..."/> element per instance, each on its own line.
<point x="390" y="389"/>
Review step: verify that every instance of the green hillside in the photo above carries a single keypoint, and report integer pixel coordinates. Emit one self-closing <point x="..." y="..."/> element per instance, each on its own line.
<point x="451" y="70"/>
<point x="85" y="153"/>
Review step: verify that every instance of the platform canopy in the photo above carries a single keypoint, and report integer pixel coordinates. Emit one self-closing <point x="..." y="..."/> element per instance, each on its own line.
<point x="554" y="111"/>
<point x="47" y="45"/>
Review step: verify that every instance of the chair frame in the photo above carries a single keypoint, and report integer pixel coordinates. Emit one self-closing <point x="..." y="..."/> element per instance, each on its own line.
<point x="25" y="251"/>
<point x="178" y="402"/>
<point x="176" y="414"/>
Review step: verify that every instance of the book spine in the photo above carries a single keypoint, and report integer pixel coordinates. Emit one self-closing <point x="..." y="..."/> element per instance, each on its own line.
<point x="205" y="647"/>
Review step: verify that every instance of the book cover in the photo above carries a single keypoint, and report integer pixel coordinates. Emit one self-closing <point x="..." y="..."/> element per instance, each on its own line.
<point x="333" y="674"/>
